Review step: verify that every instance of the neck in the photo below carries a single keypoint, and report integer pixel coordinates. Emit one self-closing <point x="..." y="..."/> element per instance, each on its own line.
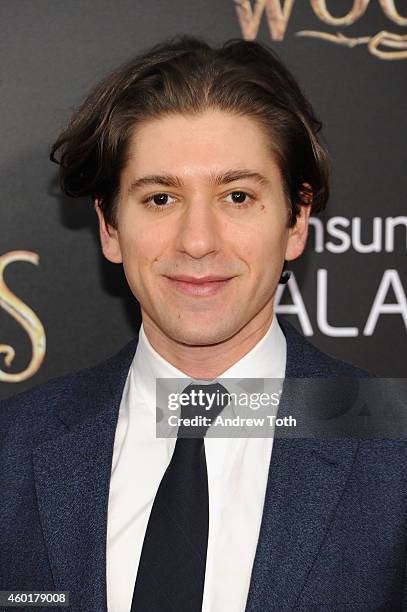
<point x="212" y="360"/>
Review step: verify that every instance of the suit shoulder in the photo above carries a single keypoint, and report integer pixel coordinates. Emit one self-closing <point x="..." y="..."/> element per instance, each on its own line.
<point x="333" y="366"/>
<point x="305" y="359"/>
<point x="30" y="408"/>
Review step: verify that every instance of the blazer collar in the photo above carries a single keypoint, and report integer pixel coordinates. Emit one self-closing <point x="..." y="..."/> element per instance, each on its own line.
<point x="72" y="476"/>
<point x="305" y="483"/>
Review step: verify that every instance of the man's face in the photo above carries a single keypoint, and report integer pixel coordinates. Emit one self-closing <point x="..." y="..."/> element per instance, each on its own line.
<point x="202" y="224"/>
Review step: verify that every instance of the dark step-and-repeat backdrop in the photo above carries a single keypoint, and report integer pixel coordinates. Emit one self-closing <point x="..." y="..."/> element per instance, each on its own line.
<point x="63" y="307"/>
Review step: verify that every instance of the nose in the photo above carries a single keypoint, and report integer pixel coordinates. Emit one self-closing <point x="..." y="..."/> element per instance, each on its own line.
<point x="199" y="229"/>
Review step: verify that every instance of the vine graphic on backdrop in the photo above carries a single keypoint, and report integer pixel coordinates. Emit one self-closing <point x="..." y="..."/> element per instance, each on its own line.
<point x="24" y="317"/>
<point x="383" y="45"/>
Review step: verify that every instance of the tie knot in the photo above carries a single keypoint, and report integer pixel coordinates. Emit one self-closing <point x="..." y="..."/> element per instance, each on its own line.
<point x="200" y="405"/>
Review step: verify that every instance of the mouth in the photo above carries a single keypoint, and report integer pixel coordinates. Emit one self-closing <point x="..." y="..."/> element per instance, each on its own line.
<point x="206" y="286"/>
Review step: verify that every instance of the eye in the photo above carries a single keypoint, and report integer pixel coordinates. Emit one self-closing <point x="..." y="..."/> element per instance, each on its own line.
<point x="157" y="200"/>
<point x="240" y="198"/>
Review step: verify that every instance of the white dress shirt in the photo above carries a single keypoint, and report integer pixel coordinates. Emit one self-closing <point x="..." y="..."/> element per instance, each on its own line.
<point x="237" y="478"/>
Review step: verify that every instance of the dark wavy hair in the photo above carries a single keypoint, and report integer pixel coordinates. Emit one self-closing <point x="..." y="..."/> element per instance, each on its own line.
<point x="186" y="75"/>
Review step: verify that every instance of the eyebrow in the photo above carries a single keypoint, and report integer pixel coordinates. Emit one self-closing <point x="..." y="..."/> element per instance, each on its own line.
<point x="169" y="180"/>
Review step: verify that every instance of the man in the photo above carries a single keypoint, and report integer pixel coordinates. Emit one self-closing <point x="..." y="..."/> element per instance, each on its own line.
<point x="203" y="166"/>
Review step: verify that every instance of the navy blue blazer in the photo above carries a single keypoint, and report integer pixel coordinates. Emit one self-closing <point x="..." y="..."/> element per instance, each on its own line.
<point x="333" y="531"/>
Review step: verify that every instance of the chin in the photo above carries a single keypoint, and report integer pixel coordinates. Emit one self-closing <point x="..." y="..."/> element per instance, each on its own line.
<point x="197" y="333"/>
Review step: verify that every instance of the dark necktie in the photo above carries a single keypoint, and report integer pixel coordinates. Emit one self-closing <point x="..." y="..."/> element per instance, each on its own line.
<point x="171" y="572"/>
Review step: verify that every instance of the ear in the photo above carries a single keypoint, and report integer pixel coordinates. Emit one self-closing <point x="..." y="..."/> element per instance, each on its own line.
<point x="297" y="235"/>
<point x="109" y="240"/>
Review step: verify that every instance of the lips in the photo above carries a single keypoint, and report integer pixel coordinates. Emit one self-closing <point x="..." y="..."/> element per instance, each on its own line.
<point x="204" y="286"/>
<point x="199" y="279"/>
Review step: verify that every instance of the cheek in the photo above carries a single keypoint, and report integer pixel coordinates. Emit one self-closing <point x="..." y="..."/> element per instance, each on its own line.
<point x="263" y="243"/>
<point x="131" y="247"/>
<point x="140" y="249"/>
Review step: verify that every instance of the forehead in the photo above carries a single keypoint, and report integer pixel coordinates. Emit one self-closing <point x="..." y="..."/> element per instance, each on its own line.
<point x="199" y="145"/>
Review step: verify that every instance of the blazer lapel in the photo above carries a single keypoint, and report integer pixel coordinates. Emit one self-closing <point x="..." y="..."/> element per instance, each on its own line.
<point x="72" y="477"/>
<point x="306" y="480"/>
<point x="305" y="483"/>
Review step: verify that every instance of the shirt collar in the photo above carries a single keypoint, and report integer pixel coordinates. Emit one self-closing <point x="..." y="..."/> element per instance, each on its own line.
<point x="267" y="359"/>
